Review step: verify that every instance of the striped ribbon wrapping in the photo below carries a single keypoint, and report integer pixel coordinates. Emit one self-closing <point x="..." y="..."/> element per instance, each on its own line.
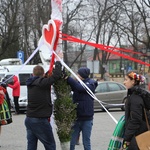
<point x="117" y="137"/>
<point x="5" y="114"/>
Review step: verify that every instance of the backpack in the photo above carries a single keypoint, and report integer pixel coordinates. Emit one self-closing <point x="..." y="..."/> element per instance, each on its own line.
<point x="5" y="114"/>
<point x="145" y="96"/>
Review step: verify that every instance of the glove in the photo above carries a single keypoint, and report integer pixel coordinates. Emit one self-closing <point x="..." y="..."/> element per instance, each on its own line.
<point x="64" y="74"/>
<point x="47" y="74"/>
<point x="125" y="145"/>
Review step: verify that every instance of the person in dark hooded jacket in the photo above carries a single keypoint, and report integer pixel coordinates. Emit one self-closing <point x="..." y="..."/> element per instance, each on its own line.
<point x="85" y="109"/>
<point x="39" y="108"/>
<point x="135" y="123"/>
<point x="15" y="92"/>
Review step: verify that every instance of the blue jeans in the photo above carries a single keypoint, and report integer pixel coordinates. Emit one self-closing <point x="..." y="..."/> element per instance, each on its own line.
<point x="39" y="129"/>
<point x="86" y="128"/>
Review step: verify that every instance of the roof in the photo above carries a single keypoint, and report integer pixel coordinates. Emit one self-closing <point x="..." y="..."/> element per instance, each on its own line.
<point x="11" y="61"/>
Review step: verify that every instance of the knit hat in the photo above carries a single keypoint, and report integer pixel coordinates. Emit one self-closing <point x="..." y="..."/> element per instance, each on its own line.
<point x="84" y="72"/>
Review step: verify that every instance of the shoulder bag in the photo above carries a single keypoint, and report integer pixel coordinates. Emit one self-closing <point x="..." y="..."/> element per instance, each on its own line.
<point x="143" y="140"/>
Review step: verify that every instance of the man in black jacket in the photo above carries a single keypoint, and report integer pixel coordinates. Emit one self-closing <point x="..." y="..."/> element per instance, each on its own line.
<point x="39" y="108"/>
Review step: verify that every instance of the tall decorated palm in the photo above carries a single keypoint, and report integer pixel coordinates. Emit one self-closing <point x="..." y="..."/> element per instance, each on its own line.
<point x="64" y="112"/>
<point x="64" y="109"/>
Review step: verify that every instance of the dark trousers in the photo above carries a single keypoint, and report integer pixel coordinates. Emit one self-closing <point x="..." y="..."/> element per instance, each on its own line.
<point x="39" y="129"/>
<point x="86" y="128"/>
<point x="16" y="103"/>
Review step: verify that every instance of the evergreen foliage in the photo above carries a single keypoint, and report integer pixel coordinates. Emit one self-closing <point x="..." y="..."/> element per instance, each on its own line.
<point x="64" y="110"/>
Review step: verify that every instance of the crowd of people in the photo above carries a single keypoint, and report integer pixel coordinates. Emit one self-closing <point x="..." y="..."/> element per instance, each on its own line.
<point x="40" y="107"/>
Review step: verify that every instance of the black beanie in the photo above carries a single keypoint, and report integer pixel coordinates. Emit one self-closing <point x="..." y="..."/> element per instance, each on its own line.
<point x="84" y="72"/>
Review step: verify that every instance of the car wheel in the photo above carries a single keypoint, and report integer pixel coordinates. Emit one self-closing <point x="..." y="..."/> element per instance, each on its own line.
<point x="123" y="102"/>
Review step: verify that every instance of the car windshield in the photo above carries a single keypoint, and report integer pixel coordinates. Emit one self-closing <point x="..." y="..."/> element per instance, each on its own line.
<point x="114" y="87"/>
<point x="122" y="87"/>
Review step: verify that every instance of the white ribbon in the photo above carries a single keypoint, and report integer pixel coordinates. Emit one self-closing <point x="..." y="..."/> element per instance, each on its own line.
<point x="83" y="84"/>
<point x="22" y="66"/>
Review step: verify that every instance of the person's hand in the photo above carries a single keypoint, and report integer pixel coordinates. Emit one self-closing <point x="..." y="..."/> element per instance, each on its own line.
<point x="2" y="92"/>
<point x="60" y="54"/>
<point x="64" y="74"/>
<point x="3" y="84"/>
<point x="125" y="145"/>
<point x="47" y="74"/>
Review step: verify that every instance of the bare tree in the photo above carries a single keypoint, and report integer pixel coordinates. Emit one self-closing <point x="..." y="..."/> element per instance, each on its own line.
<point x="69" y="16"/>
<point x="107" y="22"/>
<point x="9" y="25"/>
<point x="34" y="15"/>
<point x="104" y="29"/>
<point x="21" y="24"/>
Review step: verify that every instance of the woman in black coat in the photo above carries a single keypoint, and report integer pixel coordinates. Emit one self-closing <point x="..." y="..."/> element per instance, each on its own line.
<point x="135" y="123"/>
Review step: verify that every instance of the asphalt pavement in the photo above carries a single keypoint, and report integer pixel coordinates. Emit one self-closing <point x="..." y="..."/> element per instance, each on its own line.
<point x="13" y="136"/>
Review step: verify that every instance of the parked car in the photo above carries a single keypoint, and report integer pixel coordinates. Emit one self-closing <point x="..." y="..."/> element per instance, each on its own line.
<point x="112" y="93"/>
<point x="23" y="102"/>
<point x="109" y="92"/>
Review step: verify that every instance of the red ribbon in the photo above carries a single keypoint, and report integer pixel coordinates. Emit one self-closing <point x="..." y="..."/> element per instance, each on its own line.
<point x="109" y="49"/>
<point x="58" y="24"/>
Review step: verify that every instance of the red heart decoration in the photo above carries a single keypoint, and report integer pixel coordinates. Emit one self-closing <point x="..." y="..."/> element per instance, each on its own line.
<point x="49" y="33"/>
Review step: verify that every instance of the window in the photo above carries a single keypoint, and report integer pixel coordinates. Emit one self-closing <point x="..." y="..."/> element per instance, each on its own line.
<point x="122" y="87"/>
<point x="9" y="79"/>
<point x="113" y="87"/>
<point x="101" y="88"/>
<point x="23" y="78"/>
<point x="1" y="76"/>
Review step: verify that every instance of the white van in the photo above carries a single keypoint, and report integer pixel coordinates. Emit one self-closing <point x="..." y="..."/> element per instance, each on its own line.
<point x="23" y="74"/>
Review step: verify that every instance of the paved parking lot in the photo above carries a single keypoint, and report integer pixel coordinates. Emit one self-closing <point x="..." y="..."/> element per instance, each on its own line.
<point x="13" y="136"/>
